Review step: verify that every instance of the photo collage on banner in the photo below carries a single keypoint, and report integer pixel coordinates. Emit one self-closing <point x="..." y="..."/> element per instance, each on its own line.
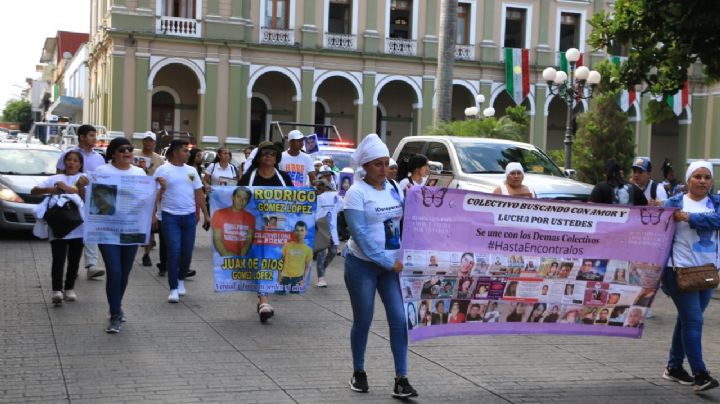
<point x="561" y="281"/>
<point x="262" y="238"/>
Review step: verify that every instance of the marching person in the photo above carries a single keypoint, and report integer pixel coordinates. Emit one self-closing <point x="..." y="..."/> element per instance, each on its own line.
<point x="697" y="227"/>
<point x="513" y="184"/>
<point x="148" y="160"/>
<point x="71" y="181"/>
<point x="418" y="169"/>
<point x="178" y="201"/>
<point x="263" y="172"/>
<point x="87" y="137"/>
<point x="221" y="171"/>
<point x="328" y="206"/>
<point x="118" y="258"/>
<point x="296" y="163"/>
<point x="642" y="177"/>
<point x="373" y="209"/>
<point x="615" y="190"/>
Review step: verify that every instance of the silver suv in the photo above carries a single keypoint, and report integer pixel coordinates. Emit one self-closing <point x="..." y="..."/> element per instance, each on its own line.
<point x="478" y="164"/>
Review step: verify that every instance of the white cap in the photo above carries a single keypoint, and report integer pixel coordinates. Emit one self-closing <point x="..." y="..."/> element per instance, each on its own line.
<point x="325" y="170"/>
<point x="295" y="135"/>
<point x="150" y="135"/>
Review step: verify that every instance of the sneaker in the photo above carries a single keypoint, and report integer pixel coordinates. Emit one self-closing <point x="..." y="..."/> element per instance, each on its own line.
<point x="161" y="272"/>
<point x="174" y="297"/>
<point x="703" y="382"/>
<point x="93" y="272"/>
<point x="161" y="269"/>
<point x="359" y="382"/>
<point x="191" y="273"/>
<point x="403" y="389"/>
<point x="146" y="261"/>
<point x="265" y="311"/>
<point x="181" y="288"/>
<point x="122" y="317"/>
<point x="321" y="283"/>
<point x="113" y="326"/>
<point x="678" y="374"/>
<point x="70" y="295"/>
<point x="56" y="297"/>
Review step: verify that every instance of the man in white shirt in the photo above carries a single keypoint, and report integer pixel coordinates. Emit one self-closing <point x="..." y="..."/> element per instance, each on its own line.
<point x="87" y="136"/>
<point x="641" y="176"/>
<point x="296" y="163"/>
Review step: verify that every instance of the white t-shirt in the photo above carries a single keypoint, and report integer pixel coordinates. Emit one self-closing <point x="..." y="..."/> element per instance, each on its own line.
<point x="383" y="211"/>
<point x="660" y="193"/>
<point x="329" y="204"/>
<point x="91" y="161"/>
<point x="406" y="181"/>
<point x="693" y="247"/>
<point x="69" y="180"/>
<point x="222" y="176"/>
<point x="181" y="183"/>
<point x="111" y="169"/>
<point x="298" y="167"/>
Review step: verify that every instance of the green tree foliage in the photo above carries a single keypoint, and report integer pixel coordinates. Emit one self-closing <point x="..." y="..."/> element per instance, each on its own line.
<point x="666" y="37"/>
<point x="518" y="114"/>
<point x="603" y="132"/>
<point x="501" y="128"/>
<point x="19" y="111"/>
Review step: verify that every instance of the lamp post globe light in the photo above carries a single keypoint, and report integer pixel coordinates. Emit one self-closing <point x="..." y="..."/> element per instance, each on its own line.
<point x="473" y="112"/>
<point x="570" y="89"/>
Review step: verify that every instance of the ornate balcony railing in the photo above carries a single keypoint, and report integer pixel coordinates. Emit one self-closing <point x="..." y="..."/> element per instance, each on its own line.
<point x="274" y="36"/>
<point x="340" y="41"/>
<point x="465" y="52"/>
<point x="400" y="46"/>
<point x="177" y="26"/>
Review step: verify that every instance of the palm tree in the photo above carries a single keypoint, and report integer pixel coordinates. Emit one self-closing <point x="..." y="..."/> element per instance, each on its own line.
<point x="446" y="59"/>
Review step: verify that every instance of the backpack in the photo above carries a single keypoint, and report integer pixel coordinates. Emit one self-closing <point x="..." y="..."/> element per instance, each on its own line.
<point x="653" y="190"/>
<point x="623" y="195"/>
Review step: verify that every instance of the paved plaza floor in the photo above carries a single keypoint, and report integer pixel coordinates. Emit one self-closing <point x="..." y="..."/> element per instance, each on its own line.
<point x="212" y="348"/>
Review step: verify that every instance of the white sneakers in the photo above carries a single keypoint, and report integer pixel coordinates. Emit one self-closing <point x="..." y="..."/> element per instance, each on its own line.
<point x="181" y="288"/>
<point x="174" y="297"/>
<point x="321" y="282"/>
<point x="56" y="297"/>
<point x="70" y="295"/>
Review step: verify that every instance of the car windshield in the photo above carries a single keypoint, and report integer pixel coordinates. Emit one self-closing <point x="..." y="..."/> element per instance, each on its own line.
<point x="340" y="158"/>
<point x="488" y="158"/>
<point x="28" y="161"/>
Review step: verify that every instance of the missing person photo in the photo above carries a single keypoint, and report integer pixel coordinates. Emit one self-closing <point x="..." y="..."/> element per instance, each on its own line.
<point x="311" y="144"/>
<point x="103" y="199"/>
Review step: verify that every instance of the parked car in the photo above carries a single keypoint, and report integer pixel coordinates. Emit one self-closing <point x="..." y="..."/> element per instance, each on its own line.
<point x="478" y="164"/>
<point x="23" y="166"/>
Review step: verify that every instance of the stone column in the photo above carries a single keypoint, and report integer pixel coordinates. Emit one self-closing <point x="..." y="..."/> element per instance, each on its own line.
<point x="309" y="31"/>
<point x="371" y="37"/>
<point x="488" y="47"/>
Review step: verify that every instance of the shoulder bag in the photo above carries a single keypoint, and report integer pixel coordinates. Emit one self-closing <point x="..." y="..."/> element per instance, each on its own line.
<point x="62" y="219"/>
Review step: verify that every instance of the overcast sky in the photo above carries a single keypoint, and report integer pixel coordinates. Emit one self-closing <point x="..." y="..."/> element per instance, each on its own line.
<point x="24" y="25"/>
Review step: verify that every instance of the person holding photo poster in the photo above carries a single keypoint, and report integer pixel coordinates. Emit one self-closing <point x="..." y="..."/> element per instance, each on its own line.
<point x="263" y="171"/>
<point x="221" y="171"/>
<point x="178" y="201"/>
<point x="233" y="227"/>
<point x="118" y="259"/>
<point x="373" y="209"/>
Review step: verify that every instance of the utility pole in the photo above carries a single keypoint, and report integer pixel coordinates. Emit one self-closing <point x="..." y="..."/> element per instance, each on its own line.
<point x="446" y="60"/>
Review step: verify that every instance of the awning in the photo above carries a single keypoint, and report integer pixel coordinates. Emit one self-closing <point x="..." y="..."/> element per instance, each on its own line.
<point x="66" y="106"/>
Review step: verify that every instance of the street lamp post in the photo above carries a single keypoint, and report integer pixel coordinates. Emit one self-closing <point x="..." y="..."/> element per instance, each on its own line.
<point x="473" y="112"/>
<point x="571" y="88"/>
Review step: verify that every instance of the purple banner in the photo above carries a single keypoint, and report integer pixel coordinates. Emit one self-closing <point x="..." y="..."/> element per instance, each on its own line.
<point x="478" y="263"/>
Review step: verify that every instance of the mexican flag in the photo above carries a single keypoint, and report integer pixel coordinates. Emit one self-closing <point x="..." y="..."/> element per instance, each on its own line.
<point x="565" y="66"/>
<point x="626" y="97"/>
<point x="517" y="74"/>
<point x="679" y="100"/>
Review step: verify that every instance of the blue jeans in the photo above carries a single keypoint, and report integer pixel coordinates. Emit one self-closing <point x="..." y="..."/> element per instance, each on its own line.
<point x="362" y="279"/>
<point x="687" y="336"/>
<point x="118" y="264"/>
<point x="179" y="233"/>
<point x="324" y="258"/>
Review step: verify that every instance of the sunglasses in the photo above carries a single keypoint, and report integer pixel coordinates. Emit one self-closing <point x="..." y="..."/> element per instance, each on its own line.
<point x="268" y="153"/>
<point x="127" y="149"/>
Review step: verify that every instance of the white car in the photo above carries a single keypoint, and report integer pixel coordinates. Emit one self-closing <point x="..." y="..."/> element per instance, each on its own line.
<point x="23" y="166"/>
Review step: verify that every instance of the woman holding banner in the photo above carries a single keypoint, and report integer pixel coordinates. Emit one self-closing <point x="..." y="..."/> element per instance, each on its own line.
<point x="118" y="259"/>
<point x="699" y="212"/>
<point x="372" y="261"/>
<point x="264" y="172"/>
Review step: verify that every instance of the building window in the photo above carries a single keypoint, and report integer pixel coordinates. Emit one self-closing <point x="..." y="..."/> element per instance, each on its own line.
<point x="463" y="24"/>
<point x="276" y="14"/>
<point x="515" y="26"/>
<point x="401" y="19"/>
<point x="569" y="31"/>
<point x="179" y="8"/>
<point x="340" y="17"/>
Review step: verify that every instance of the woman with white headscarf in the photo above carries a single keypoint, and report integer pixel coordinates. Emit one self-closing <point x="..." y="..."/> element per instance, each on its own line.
<point x="695" y="243"/>
<point x="373" y="209"/>
<point x="513" y="184"/>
